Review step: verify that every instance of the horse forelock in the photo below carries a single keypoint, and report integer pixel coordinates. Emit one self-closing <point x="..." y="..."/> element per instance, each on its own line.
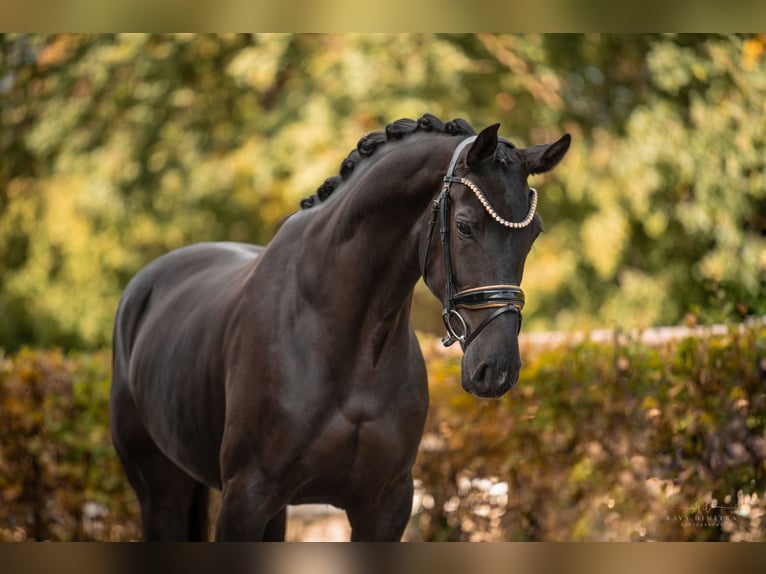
<point x="368" y="144"/>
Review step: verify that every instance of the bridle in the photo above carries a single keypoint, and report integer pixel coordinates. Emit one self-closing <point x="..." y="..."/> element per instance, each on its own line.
<point x="501" y="298"/>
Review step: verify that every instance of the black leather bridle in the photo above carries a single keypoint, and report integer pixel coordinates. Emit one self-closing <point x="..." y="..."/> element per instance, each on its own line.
<point x="501" y="298"/>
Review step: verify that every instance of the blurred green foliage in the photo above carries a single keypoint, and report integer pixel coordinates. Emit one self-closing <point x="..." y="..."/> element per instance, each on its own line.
<point x="615" y="441"/>
<point x="599" y="441"/>
<point x="60" y="478"/>
<point x="115" y="149"/>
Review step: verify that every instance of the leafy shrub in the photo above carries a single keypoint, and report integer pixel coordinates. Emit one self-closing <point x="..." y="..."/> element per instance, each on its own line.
<point x="617" y="441"/>
<point x="599" y="441"/>
<point x="59" y="475"/>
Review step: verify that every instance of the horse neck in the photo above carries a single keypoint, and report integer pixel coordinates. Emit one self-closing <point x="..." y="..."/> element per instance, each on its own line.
<point x="360" y="250"/>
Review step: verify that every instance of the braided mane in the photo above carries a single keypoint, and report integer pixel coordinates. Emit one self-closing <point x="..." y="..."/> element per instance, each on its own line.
<point x="366" y="146"/>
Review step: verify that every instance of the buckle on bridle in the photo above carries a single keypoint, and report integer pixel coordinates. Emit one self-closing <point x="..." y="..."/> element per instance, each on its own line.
<point x="452" y="335"/>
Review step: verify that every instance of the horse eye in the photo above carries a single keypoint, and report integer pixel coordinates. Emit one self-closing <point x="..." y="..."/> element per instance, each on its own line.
<point x="463" y="229"/>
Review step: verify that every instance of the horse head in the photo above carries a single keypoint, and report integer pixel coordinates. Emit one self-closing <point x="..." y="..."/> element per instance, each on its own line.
<point x="487" y="222"/>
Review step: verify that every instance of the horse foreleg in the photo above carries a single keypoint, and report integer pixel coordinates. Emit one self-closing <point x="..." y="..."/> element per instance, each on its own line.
<point x="384" y="517"/>
<point x="276" y="527"/>
<point x="248" y="512"/>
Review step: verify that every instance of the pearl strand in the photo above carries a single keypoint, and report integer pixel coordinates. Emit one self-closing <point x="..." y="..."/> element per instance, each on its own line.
<point x="493" y="214"/>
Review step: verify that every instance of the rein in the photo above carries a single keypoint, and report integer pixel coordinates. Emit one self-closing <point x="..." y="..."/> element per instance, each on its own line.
<point x="501" y="298"/>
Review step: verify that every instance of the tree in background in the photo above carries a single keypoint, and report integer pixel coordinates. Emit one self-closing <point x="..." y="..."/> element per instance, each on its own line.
<point x="115" y="149"/>
<point x="671" y="202"/>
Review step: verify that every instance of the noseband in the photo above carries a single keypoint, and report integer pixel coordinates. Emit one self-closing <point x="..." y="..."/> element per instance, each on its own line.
<point x="501" y="298"/>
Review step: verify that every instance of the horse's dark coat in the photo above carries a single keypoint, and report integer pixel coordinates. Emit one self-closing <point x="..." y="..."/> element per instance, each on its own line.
<point x="291" y="374"/>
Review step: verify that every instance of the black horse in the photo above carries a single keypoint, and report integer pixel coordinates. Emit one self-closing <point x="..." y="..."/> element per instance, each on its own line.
<point x="291" y="374"/>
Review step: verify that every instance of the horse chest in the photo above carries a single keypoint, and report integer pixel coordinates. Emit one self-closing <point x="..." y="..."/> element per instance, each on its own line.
<point x="353" y="443"/>
<point x="351" y="459"/>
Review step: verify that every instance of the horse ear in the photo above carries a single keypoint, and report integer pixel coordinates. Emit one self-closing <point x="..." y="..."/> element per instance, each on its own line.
<point x="484" y="147"/>
<point x="542" y="158"/>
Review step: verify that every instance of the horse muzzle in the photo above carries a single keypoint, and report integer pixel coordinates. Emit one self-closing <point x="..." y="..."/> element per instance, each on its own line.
<point x="492" y="365"/>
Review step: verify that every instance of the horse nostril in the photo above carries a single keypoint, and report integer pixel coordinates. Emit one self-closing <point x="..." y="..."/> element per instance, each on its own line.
<point x="481" y="377"/>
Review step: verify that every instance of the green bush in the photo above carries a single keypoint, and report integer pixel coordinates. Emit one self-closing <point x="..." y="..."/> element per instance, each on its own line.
<point x="618" y="441"/>
<point x="599" y="441"/>
<point x="59" y="475"/>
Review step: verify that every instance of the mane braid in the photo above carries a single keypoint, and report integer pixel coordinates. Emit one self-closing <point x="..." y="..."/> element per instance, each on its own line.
<point x="367" y="145"/>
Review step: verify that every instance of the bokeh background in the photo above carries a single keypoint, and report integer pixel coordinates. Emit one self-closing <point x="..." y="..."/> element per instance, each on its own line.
<point x="117" y="148"/>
